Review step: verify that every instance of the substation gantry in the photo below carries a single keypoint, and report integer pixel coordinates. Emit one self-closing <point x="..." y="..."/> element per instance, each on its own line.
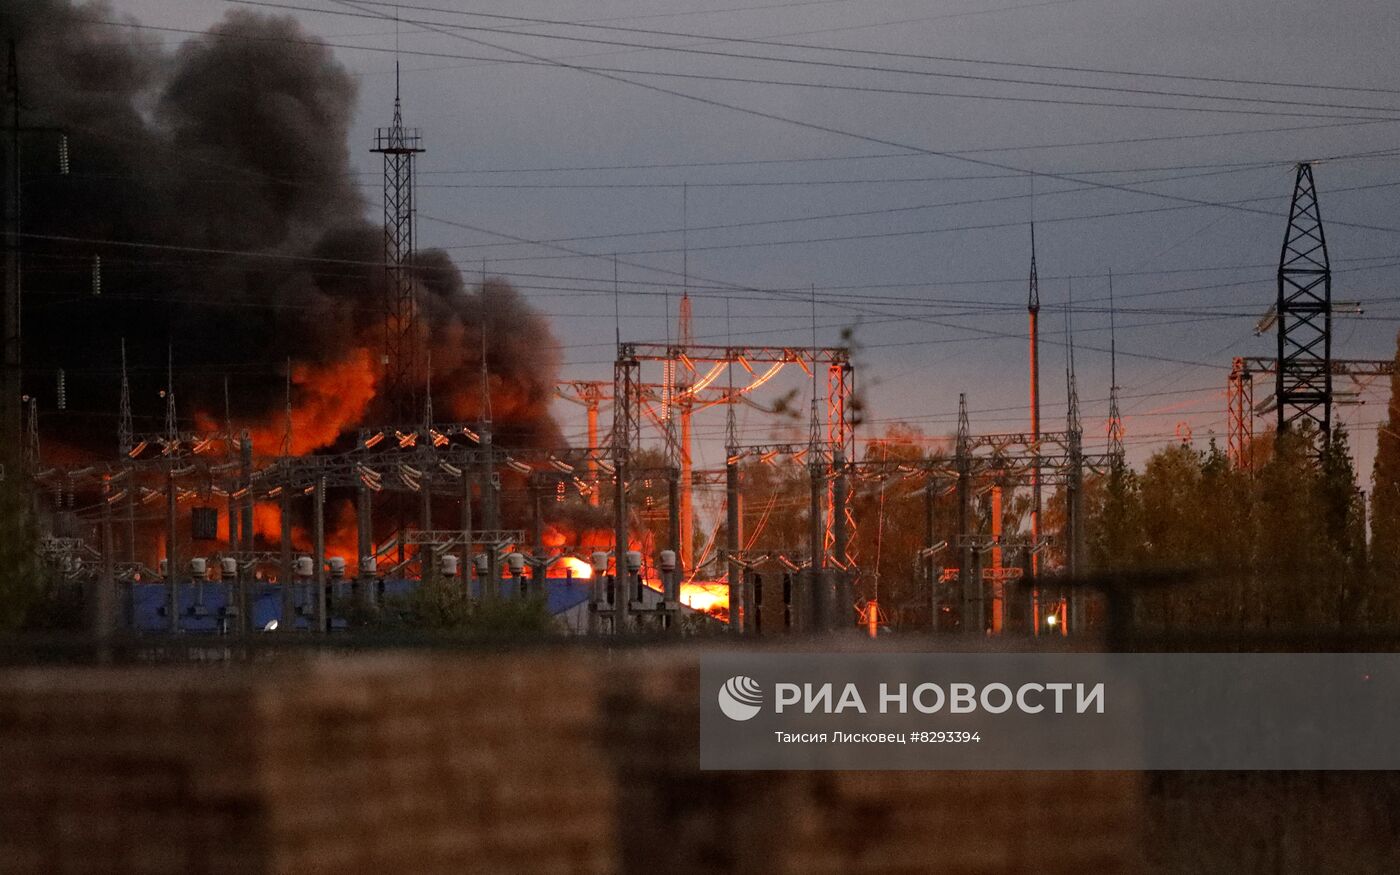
<point x="1304" y="371"/>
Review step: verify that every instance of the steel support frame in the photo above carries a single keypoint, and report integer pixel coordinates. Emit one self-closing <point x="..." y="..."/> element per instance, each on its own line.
<point x="1240" y="403"/>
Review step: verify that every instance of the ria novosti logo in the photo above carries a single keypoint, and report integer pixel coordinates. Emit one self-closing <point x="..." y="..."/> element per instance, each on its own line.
<point x="740" y="698"/>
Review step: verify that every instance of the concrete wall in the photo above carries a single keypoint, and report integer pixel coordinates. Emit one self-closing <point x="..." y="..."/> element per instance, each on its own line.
<point x="539" y="761"/>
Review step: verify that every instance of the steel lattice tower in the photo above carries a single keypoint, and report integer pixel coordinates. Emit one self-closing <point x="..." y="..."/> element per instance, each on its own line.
<point x="399" y="145"/>
<point x="1115" y="417"/>
<point x="1304" y="380"/>
<point x="125" y="430"/>
<point x="1240" y="395"/>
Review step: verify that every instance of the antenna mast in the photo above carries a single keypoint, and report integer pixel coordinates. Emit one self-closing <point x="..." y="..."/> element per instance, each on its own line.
<point x="1115" y="419"/>
<point x="399" y="146"/>
<point x="126" y="433"/>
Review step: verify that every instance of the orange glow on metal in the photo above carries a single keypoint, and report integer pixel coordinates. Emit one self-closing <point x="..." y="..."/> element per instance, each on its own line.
<point x="581" y="570"/>
<point x="708" y="597"/>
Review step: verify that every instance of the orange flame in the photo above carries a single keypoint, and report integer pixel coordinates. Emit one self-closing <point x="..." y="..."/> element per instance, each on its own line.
<point x="329" y="399"/>
<point x="707" y="597"/>
<point x="581" y="570"/>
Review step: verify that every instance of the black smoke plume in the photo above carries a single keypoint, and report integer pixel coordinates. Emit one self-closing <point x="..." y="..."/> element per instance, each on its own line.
<point x="214" y="182"/>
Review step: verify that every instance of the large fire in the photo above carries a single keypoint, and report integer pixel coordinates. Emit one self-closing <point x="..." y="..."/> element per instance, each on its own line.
<point x="707" y="597"/>
<point x="327" y="400"/>
<point x="572" y="564"/>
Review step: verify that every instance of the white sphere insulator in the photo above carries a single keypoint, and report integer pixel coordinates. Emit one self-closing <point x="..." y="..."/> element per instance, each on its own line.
<point x="599" y="561"/>
<point x="516" y="561"/>
<point x="228" y="567"/>
<point x="634" y="561"/>
<point x="305" y="566"/>
<point x="199" y="566"/>
<point x="449" y="565"/>
<point x="668" y="560"/>
<point x="483" y="564"/>
<point x="369" y="565"/>
<point x="337" y="566"/>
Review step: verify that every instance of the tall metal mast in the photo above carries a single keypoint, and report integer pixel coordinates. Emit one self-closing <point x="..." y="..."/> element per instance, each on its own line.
<point x="172" y="424"/>
<point x="126" y="432"/>
<point x="1074" y="486"/>
<point x="1115" y="419"/>
<point x="399" y="145"/>
<point x="685" y="401"/>
<point x="1303" y="384"/>
<point x="1033" y="309"/>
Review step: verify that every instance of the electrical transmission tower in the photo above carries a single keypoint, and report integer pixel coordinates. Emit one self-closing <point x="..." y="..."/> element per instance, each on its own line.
<point x="1303" y="381"/>
<point x="399" y="145"/>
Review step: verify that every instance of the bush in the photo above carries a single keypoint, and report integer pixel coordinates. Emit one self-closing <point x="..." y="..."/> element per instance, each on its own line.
<point x="24" y="581"/>
<point x="444" y="607"/>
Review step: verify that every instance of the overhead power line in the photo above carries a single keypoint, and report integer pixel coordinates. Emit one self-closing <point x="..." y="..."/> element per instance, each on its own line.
<point x="720" y="38"/>
<point x="828" y="129"/>
<point x="1390" y="113"/>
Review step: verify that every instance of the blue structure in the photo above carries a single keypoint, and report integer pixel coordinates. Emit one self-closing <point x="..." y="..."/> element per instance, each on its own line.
<point x="202" y="604"/>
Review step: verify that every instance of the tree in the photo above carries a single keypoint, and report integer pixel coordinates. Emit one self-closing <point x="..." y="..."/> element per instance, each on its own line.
<point x="1385" y="503"/>
<point x="1114" y="528"/>
<point x="24" y="581"/>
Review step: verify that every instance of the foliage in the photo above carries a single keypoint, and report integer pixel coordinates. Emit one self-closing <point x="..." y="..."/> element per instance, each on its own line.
<point x="443" y="606"/>
<point x="24" y="581"/>
<point x="1284" y="546"/>
<point x="1385" y="495"/>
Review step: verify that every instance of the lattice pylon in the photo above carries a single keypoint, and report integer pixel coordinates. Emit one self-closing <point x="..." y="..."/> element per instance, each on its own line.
<point x="1240" y="396"/>
<point x="399" y="146"/>
<point x="1303" y="384"/>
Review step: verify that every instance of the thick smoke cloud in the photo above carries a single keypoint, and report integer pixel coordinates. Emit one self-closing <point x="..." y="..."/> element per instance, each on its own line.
<point x="230" y="157"/>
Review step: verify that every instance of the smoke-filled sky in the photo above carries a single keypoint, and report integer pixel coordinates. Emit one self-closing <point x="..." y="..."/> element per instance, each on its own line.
<point x="212" y="180"/>
<point x="814" y="171"/>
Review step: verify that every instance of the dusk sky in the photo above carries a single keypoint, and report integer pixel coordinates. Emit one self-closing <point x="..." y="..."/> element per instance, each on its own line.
<point x="820" y="175"/>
